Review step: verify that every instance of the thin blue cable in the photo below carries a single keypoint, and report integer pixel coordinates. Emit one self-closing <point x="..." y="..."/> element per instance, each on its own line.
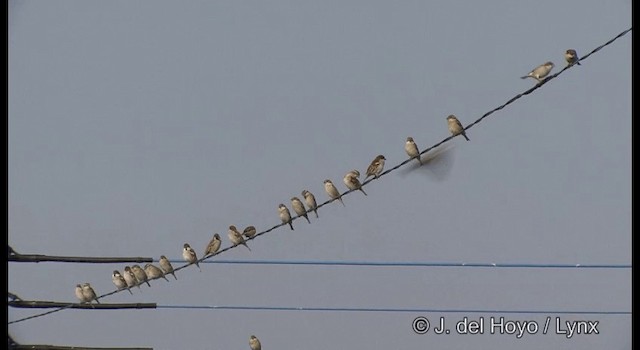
<point x="398" y="310"/>
<point x="411" y="264"/>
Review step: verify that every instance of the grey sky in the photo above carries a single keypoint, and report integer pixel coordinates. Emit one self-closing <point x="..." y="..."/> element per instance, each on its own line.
<point x="135" y="127"/>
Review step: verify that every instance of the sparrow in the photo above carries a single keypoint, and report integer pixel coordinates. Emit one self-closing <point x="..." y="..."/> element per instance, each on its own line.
<point x="455" y="127"/>
<point x="141" y="276"/>
<point x="298" y="207"/>
<point x="412" y="149"/>
<point x="285" y="215"/>
<point x="189" y="255"/>
<point x="376" y="167"/>
<point x="249" y="231"/>
<point x="119" y="281"/>
<point x="332" y="191"/>
<point x="79" y="294"/>
<point x="254" y="343"/>
<point x="213" y="246"/>
<point x="154" y="272"/>
<point x="352" y="182"/>
<point x="165" y="265"/>
<point x="236" y="237"/>
<point x="572" y="57"/>
<point x="311" y="201"/>
<point x="540" y="71"/>
<point x="89" y="294"/>
<point x="130" y="278"/>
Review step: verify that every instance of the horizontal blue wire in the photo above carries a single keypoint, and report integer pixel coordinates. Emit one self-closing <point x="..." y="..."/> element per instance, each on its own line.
<point x="410" y="263"/>
<point x="354" y="309"/>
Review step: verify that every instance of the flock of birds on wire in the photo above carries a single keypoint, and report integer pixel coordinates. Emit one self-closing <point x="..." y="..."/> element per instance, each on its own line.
<point x="135" y="275"/>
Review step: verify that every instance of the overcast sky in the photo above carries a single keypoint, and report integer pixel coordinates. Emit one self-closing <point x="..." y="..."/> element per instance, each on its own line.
<point x="135" y="127"/>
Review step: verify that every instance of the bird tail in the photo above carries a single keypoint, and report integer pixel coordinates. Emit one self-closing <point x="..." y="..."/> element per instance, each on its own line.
<point x="315" y="211"/>
<point x="244" y="244"/>
<point x="365" y="193"/>
<point x="465" y="136"/>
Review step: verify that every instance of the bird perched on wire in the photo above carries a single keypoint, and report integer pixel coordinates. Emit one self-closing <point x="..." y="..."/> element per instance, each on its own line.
<point x="285" y="215"/>
<point x="254" y="343"/>
<point x="119" y="281"/>
<point x="376" y="167"/>
<point x="455" y="127"/>
<point x="350" y="179"/>
<point x="165" y="265"/>
<point x="540" y="72"/>
<point x="213" y="246"/>
<point x="141" y="276"/>
<point x="154" y="272"/>
<point x="310" y="199"/>
<point x="236" y="237"/>
<point x="412" y="149"/>
<point x="89" y="294"/>
<point x="332" y="191"/>
<point x="299" y="208"/>
<point x="130" y="278"/>
<point x="189" y="255"/>
<point x="571" y="57"/>
<point x="249" y="231"/>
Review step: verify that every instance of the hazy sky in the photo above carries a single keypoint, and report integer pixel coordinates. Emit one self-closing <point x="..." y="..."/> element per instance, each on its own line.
<point x="135" y="127"/>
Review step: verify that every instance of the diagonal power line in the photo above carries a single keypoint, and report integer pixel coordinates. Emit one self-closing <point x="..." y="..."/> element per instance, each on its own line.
<point x="510" y="101"/>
